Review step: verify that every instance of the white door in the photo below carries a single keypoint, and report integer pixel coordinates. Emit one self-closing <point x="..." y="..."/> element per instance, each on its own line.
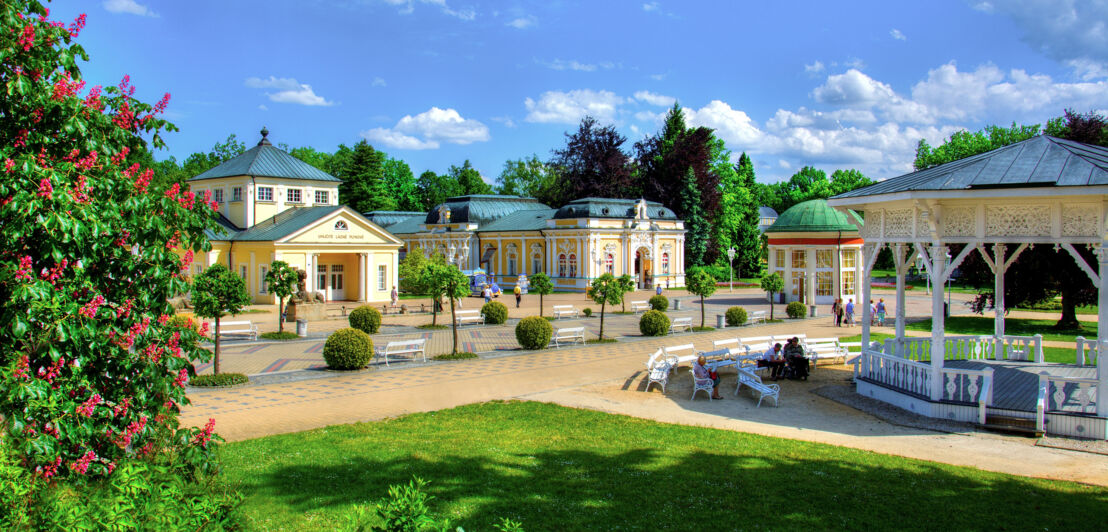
<point x="335" y="288"/>
<point x="321" y="281"/>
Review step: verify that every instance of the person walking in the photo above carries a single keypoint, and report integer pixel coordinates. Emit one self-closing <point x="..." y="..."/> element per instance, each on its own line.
<point x="395" y="296"/>
<point x="488" y="294"/>
<point x="850" y="312"/>
<point x="881" y="312"/>
<point x="519" y="294"/>
<point x="837" y="312"/>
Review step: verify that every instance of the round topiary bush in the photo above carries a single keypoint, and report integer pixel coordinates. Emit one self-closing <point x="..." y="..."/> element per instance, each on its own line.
<point x="735" y="316"/>
<point x="366" y="319"/>
<point x="654" y="323"/>
<point x="348" y="348"/>
<point x="534" y="332"/>
<point x="796" y="310"/>
<point x="659" y="303"/>
<point x="587" y="312"/>
<point x="495" y="312"/>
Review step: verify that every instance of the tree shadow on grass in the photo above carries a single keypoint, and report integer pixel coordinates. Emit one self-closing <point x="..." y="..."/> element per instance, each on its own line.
<point x="645" y="488"/>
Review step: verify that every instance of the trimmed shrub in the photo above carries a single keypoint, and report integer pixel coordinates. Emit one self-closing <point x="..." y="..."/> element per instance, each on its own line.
<point x="735" y="316"/>
<point x="348" y="348"/>
<point x="366" y="319"/>
<point x="659" y="303"/>
<point x="222" y="379"/>
<point x="495" y="312"/>
<point x="534" y="332"/>
<point x="654" y="323"/>
<point x="587" y="312"/>
<point x="796" y="310"/>
<point x="279" y="335"/>
<point x="460" y="355"/>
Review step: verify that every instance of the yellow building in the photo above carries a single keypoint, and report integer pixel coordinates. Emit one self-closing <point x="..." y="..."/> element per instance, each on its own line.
<point x="273" y="206"/>
<point x="509" y="235"/>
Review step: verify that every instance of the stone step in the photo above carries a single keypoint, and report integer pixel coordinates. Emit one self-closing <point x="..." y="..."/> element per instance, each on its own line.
<point x="1011" y="425"/>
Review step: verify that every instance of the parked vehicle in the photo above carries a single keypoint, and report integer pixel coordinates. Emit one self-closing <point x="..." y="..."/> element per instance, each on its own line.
<point x="478" y="279"/>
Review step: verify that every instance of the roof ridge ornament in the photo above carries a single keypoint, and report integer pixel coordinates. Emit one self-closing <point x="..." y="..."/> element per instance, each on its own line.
<point x="264" y="141"/>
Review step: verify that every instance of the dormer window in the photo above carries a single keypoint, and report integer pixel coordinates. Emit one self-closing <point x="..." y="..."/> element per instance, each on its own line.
<point x="265" y="194"/>
<point x="341" y="226"/>
<point x="321" y="197"/>
<point x="294" y="195"/>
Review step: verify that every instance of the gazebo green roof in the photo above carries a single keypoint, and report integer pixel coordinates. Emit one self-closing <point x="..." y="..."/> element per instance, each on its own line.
<point x="814" y="216"/>
<point x="265" y="160"/>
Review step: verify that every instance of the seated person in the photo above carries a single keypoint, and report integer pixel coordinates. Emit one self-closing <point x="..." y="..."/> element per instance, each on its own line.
<point x="793" y="348"/>
<point x="773" y="359"/>
<point x="702" y="372"/>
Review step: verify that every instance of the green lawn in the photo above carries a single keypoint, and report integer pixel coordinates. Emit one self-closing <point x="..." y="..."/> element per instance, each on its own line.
<point x="956" y="325"/>
<point x="556" y="468"/>
<point x="1058" y="355"/>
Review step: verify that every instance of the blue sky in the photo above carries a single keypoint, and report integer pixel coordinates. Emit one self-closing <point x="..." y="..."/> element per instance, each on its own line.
<point x="435" y="82"/>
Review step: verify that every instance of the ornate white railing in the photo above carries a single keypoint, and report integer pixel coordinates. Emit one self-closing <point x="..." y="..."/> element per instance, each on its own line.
<point x="1070" y="394"/>
<point x="969" y="348"/>
<point x="895" y="372"/>
<point x="1026" y="348"/>
<point x="1087" y="352"/>
<point x="969" y="386"/>
<point x="909" y="348"/>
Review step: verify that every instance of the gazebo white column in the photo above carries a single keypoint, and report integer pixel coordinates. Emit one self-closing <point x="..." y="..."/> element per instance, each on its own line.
<point x="869" y="256"/>
<point x="1102" y="331"/>
<point x="362" y="277"/>
<point x="901" y="262"/>
<point x="936" y="261"/>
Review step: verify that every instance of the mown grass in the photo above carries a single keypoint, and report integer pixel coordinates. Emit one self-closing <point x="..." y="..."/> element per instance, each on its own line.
<point x="556" y="468"/>
<point x="971" y="325"/>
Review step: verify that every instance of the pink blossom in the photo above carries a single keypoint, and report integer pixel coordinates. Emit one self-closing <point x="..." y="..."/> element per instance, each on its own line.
<point x="45" y="188"/>
<point x="122" y="240"/>
<point x="80" y="192"/>
<point x="27" y="39"/>
<point x="205" y="434"/>
<point x="172" y="191"/>
<point x="53" y="274"/>
<point x="86" y="409"/>
<point x="93" y="101"/>
<point x="204" y="329"/>
<point x="182" y="378"/>
<point x="81" y="465"/>
<point x="160" y="106"/>
<point x="22" y="368"/>
<point x="90" y="308"/>
<point x="24" y="271"/>
<point x="187" y="260"/>
<point x="143" y="181"/>
<point x="9" y="165"/>
<point x="49" y="470"/>
<point x="20" y="139"/>
<point x="118" y="158"/>
<point x="121" y="410"/>
<point x="77" y="26"/>
<point x="163" y="319"/>
<point x="88" y="162"/>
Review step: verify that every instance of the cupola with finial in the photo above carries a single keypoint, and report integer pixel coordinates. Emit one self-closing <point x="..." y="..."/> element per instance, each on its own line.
<point x="264" y="141"/>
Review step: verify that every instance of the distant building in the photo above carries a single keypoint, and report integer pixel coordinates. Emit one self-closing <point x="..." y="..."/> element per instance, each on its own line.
<point x="509" y="235"/>
<point x="766" y="217"/>
<point x="815" y="249"/>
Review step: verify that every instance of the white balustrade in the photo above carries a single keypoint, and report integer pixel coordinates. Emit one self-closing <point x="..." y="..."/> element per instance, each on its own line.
<point x="1025" y="348"/>
<point x="969" y="386"/>
<point x="1069" y="394"/>
<point x="895" y="372"/>
<point x="1087" y="352"/>
<point x="970" y="347"/>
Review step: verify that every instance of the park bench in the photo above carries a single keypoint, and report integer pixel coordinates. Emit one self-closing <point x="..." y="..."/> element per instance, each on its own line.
<point x="403" y="347"/>
<point x="658" y="369"/>
<point x="757" y="340"/>
<point x="238" y="328"/>
<point x="640" y="306"/>
<point x="573" y="334"/>
<point x="462" y="317"/>
<point x="682" y="353"/>
<point x="820" y="348"/>
<point x="734" y="345"/>
<point x="680" y="323"/>
<point x="564" y="310"/>
<point x="757" y="315"/>
<point x="754" y="382"/>
<point x="704" y="385"/>
<point x="852" y="350"/>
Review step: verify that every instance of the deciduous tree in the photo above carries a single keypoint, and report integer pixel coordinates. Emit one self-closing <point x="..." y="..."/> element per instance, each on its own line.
<point x="281" y="281"/>
<point x="605" y="290"/>
<point x="541" y="285"/>
<point x="446" y="280"/>
<point x="701" y="283"/>
<point x="216" y="293"/>
<point x="592" y="164"/>
<point x="772" y="284"/>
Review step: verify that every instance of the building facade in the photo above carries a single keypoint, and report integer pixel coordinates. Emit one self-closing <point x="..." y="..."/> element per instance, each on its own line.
<point x="816" y="250"/>
<point x="508" y="236"/>
<point x="273" y="206"/>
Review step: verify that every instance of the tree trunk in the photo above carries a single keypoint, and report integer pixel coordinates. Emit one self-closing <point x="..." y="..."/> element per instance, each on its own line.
<point x="215" y="367"/>
<point x="771" y="306"/>
<point x="280" y="314"/>
<point x="454" y="325"/>
<point x="434" y="311"/>
<point x="540" y="304"/>
<point x="701" y="312"/>
<point x="602" y="321"/>
<point x="1069" y="309"/>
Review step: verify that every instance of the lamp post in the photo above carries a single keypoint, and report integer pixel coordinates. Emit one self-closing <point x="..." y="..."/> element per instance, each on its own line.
<point x="731" y="265"/>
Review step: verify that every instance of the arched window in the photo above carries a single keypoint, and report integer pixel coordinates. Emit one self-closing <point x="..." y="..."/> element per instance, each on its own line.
<point x="341" y="226"/>
<point x="511" y="264"/>
<point x="562" y="265"/>
<point x="609" y="263"/>
<point x="536" y="263"/>
<point x="572" y="265"/>
<point x="665" y="263"/>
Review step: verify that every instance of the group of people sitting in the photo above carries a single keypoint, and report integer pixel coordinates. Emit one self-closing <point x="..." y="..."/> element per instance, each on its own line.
<point x="787" y="361"/>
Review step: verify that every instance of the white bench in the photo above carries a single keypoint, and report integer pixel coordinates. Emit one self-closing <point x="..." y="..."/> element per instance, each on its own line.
<point x="462" y="317"/>
<point x="701" y="385"/>
<point x="403" y="347"/>
<point x="564" y="310"/>
<point x="852" y="350"/>
<point x="734" y="345"/>
<point x="757" y="315"/>
<point x="674" y="350"/>
<point x="244" y="328"/>
<point x="820" y="348"/>
<point x="658" y="369"/>
<point x="574" y="334"/>
<point x="754" y="382"/>
<point x="758" y="340"/>
<point x="679" y="323"/>
<point x="640" y="306"/>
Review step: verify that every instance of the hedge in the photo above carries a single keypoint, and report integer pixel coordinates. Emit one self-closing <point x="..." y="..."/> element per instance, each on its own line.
<point x="654" y="323"/>
<point x="659" y="302"/>
<point x="735" y="316"/>
<point x="366" y="319"/>
<point x="796" y="310"/>
<point x="534" y="332"/>
<point x="494" y="312"/>
<point x="348" y="349"/>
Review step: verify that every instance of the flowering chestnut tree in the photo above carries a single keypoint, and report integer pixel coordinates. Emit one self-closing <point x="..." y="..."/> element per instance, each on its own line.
<point x="91" y="370"/>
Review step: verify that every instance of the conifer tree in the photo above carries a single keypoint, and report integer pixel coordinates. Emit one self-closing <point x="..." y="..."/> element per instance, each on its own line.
<point x="696" y="225"/>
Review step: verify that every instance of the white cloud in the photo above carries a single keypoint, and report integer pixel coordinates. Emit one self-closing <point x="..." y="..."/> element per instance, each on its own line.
<point x="378" y="82"/>
<point x="1073" y="32"/>
<point x="896" y="34"/>
<point x="522" y="23"/>
<point x="651" y="6"/>
<point x="733" y="126"/>
<point x="408" y="6"/>
<point x="655" y="99"/>
<point x="659" y="77"/>
<point x="573" y="64"/>
<point x="570" y="107"/>
<point x="429" y="129"/>
<point x="852" y="88"/>
<point x="288" y="91"/>
<point x="262" y="107"/>
<point x="128" y="6"/>
<point x="814" y="68"/>
<point x="506" y="120"/>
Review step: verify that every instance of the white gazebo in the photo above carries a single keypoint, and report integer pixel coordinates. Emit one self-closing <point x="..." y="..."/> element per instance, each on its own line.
<point x="1041" y="191"/>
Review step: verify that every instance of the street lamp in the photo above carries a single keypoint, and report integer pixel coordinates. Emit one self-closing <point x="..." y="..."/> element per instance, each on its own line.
<point x="731" y="265"/>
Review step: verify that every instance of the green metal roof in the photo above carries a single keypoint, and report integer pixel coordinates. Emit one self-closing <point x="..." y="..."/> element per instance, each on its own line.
<point x="387" y="218"/>
<point x="482" y="209"/>
<point x="813" y="216"/>
<point x="264" y="160"/>
<point x="528" y="220"/>
<point x="284" y="224"/>
<point x="226" y="231"/>
<point x="612" y="208"/>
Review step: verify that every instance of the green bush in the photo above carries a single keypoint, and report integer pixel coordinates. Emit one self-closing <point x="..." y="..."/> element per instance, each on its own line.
<point x="534" y="332"/>
<point x="659" y="303"/>
<point x="587" y="312"/>
<point x="654" y="323"/>
<point x="278" y="335"/>
<point x="460" y="355"/>
<point x="735" y="316"/>
<point x="222" y="379"/>
<point x="796" y="310"/>
<point x="366" y="319"/>
<point x="348" y="349"/>
<point x="495" y="312"/>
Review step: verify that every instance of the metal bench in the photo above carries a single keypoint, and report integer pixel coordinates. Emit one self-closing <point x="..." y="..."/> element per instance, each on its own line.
<point x="640" y="306"/>
<point x="679" y="323"/>
<point x="820" y="348"/>
<point x="243" y="328"/>
<point x="754" y="382"/>
<point x="757" y="315"/>
<point x="658" y="369"/>
<point x="564" y="310"/>
<point x="403" y="347"/>
<point x="734" y="345"/>
<point x="462" y="317"/>
<point x="674" y="350"/>
<point x="575" y="334"/>
<point x="701" y="385"/>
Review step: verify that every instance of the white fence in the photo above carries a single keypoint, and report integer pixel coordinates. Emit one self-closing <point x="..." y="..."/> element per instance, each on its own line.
<point x="1009" y="347"/>
<point x="969" y="386"/>
<point x="1087" y="352"/>
<point x="895" y="372"/>
<point x="1065" y="395"/>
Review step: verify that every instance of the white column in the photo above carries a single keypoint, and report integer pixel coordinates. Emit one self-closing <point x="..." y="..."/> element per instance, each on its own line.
<point x="253" y="274"/>
<point x="938" y="320"/>
<point x="248" y="206"/>
<point x="1102" y="333"/>
<point x="810" y="276"/>
<point x="361" y="277"/>
<point x="901" y="269"/>
<point x="867" y="271"/>
<point x="309" y="281"/>
<point x="998" y="306"/>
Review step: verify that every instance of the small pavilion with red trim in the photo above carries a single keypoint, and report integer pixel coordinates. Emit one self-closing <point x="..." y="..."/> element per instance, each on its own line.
<point x="816" y="250"/>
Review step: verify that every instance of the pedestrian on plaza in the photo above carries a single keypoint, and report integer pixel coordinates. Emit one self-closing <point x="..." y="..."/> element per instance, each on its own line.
<point x="488" y="294"/>
<point x="658" y="289"/>
<point x="881" y="312"/>
<point x="837" y="311"/>
<point x="519" y="294"/>
<point x="395" y="296"/>
<point x="850" y="312"/>
<point x="872" y="314"/>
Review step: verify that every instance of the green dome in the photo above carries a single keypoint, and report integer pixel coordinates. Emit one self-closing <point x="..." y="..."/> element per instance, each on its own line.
<point x="813" y="216"/>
